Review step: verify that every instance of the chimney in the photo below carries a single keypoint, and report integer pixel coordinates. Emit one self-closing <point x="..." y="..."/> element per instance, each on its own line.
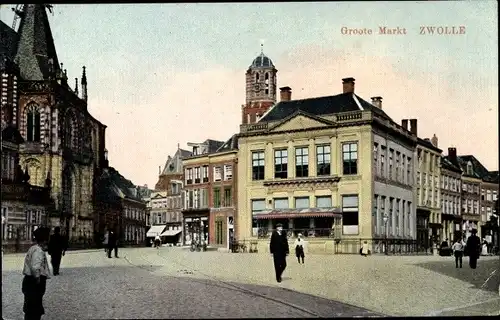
<point x="377" y="102"/>
<point x="285" y="94"/>
<point x="452" y="155"/>
<point x="348" y="85"/>
<point x="404" y="124"/>
<point x="413" y="126"/>
<point x="434" y="140"/>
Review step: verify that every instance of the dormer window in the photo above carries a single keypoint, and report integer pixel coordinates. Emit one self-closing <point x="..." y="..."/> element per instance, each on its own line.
<point x="196" y="151"/>
<point x="469" y="168"/>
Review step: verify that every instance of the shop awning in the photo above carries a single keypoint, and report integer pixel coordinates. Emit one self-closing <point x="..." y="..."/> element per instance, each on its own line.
<point x="169" y="233"/>
<point x="155" y="231"/>
<point x="299" y="213"/>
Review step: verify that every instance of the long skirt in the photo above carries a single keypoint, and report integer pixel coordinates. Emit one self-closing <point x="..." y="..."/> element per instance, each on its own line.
<point x="33" y="296"/>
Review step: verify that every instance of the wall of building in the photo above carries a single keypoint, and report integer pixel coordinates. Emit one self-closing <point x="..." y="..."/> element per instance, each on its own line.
<point x="450" y="202"/>
<point x="428" y="177"/>
<point x="394" y="181"/>
<point x="357" y="184"/>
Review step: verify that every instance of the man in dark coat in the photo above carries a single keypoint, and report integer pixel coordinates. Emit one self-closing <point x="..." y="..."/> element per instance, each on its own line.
<point x="473" y="248"/>
<point x="57" y="249"/>
<point x="279" y="249"/>
<point x="112" y="244"/>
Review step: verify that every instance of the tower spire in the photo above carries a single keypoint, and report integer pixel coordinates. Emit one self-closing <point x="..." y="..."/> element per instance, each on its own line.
<point x="261" y="48"/>
<point x="36" y="45"/>
<point x="76" y="86"/>
<point x="84" y="85"/>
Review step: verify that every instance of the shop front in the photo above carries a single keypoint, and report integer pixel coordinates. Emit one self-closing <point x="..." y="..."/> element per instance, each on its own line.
<point x="423" y="236"/>
<point x="195" y="226"/>
<point x="317" y="226"/>
<point x="221" y="227"/>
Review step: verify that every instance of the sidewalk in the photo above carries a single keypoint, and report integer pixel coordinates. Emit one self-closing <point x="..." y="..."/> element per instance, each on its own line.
<point x="385" y="284"/>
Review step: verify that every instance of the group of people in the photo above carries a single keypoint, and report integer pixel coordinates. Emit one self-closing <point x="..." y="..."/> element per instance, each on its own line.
<point x="279" y="249"/>
<point x="110" y="243"/>
<point x="37" y="269"/>
<point x="473" y="248"/>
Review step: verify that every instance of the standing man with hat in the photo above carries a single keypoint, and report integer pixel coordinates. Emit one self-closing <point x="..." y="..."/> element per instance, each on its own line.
<point x="279" y="249"/>
<point x="473" y="248"/>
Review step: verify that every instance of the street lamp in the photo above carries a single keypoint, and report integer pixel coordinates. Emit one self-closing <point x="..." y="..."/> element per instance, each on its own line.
<point x="385" y="218"/>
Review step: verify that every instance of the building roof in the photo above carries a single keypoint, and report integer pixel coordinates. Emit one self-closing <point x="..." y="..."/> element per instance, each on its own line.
<point x="230" y="144"/>
<point x="448" y="165"/>
<point x="113" y="187"/>
<point x="262" y="61"/>
<point x="478" y="170"/>
<point x="36" y="52"/>
<point x="213" y="145"/>
<point x="428" y="144"/>
<point x="344" y="102"/>
<point x="173" y="165"/>
<point x="8" y="43"/>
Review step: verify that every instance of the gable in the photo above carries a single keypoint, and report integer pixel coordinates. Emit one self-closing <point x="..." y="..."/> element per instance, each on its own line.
<point x="297" y="122"/>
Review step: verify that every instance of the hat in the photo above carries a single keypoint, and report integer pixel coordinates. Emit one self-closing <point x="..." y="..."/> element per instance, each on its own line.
<point x="279" y="225"/>
<point x="41" y="234"/>
<point x="473" y="231"/>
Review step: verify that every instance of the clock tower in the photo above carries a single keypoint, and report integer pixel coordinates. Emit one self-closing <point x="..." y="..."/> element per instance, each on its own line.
<point x="260" y="88"/>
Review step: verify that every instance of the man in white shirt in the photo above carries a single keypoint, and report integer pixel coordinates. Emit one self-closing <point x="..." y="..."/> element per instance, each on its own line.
<point x="36" y="272"/>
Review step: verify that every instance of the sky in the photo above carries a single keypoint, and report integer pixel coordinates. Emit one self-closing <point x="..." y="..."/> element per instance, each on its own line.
<point x="160" y="75"/>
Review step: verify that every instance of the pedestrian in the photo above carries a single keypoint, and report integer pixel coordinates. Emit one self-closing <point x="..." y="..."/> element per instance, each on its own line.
<point x="105" y="241"/>
<point x="157" y="241"/>
<point x="365" y="249"/>
<point x="279" y="249"/>
<point x="36" y="272"/>
<point x="473" y="248"/>
<point x="458" y="252"/>
<point x="112" y="244"/>
<point x="299" y="248"/>
<point x="57" y="249"/>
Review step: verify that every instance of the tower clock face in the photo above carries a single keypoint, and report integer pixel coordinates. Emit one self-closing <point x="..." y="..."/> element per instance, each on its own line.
<point x="257" y="87"/>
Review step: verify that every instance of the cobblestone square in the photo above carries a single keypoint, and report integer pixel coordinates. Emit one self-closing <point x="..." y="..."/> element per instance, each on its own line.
<point x="174" y="283"/>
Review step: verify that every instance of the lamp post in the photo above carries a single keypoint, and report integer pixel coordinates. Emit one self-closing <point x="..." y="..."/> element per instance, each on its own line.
<point x="385" y="218"/>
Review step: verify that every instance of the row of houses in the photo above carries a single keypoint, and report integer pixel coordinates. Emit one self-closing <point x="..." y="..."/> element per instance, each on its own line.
<point x="334" y="167"/>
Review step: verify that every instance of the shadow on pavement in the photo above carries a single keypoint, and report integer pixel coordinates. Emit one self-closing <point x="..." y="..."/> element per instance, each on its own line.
<point x="477" y="277"/>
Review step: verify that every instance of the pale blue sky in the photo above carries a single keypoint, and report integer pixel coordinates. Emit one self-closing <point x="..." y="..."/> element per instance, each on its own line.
<point x="153" y="67"/>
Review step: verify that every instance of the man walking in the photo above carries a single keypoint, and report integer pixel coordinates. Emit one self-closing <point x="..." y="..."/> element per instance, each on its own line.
<point x="112" y="244"/>
<point x="473" y="248"/>
<point x="57" y="249"/>
<point x="279" y="249"/>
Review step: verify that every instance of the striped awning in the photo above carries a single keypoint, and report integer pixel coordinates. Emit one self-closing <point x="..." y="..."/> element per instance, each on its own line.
<point x="299" y="213"/>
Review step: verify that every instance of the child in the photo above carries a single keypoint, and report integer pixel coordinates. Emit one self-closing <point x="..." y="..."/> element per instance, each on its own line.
<point x="458" y="251"/>
<point x="299" y="248"/>
<point x="36" y="272"/>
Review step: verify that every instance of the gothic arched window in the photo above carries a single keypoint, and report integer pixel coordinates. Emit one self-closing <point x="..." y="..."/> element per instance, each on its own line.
<point x="256" y="77"/>
<point x="33" y="123"/>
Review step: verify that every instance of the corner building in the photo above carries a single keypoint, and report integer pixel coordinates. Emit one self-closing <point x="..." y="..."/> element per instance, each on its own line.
<point x="310" y="165"/>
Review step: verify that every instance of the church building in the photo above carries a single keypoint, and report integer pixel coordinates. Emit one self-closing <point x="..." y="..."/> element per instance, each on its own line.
<point x="64" y="145"/>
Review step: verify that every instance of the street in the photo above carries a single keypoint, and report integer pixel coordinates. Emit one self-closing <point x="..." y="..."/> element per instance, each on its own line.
<point x="175" y="283"/>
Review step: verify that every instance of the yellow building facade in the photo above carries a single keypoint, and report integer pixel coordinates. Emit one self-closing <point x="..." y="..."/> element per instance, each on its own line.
<point x="312" y="171"/>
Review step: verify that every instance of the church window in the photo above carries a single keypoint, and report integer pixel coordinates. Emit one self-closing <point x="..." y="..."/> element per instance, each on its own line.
<point x="267" y="82"/>
<point x="256" y="76"/>
<point x="33" y="123"/>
